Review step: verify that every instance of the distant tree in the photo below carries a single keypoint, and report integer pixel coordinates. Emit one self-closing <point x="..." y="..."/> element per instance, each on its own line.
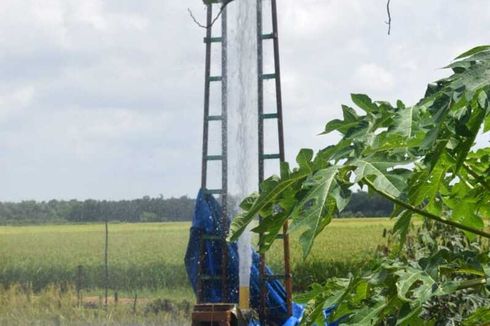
<point x="367" y="205"/>
<point x="145" y="209"/>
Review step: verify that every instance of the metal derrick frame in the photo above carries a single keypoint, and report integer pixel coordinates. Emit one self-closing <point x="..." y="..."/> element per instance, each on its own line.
<point x="223" y="118"/>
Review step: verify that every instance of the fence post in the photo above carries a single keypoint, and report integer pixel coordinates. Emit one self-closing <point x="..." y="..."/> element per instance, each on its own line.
<point x="79" y="284"/>
<point x="106" y="264"/>
<point x="134" y="302"/>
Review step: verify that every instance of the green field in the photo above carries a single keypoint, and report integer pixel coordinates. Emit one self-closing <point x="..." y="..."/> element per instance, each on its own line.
<point x="147" y="259"/>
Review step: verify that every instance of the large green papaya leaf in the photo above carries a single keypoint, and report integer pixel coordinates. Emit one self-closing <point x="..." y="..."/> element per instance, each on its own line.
<point x="475" y="50"/>
<point x="309" y="213"/>
<point x="364" y="102"/>
<point x="376" y="168"/>
<point x="239" y="223"/>
<point x="419" y="157"/>
<point x="351" y="120"/>
<point x="414" y="286"/>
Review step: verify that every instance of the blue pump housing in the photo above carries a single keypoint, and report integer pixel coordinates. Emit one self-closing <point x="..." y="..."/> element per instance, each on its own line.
<point x="207" y="221"/>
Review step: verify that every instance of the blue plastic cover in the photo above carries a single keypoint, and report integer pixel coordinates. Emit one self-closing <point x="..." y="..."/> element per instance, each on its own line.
<point x="207" y="221"/>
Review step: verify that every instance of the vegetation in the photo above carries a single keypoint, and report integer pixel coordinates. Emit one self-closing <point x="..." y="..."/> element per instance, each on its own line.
<point x="141" y="256"/>
<point x="39" y="270"/>
<point x="422" y="158"/>
<point x="145" y="209"/>
<point x="61" y="306"/>
<point x="364" y="204"/>
<point x="148" y="258"/>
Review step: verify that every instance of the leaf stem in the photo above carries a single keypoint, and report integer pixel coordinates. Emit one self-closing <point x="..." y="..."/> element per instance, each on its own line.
<point x="427" y="214"/>
<point x="473" y="283"/>
<point x="477" y="176"/>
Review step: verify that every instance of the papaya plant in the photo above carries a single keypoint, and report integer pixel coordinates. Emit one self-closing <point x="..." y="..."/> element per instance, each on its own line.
<point x="425" y="160"/>
<point x="439" y="278"/>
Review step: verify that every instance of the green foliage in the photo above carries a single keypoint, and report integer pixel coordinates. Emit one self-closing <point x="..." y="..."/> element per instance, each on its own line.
<point x="422" y="158"/>
<point x="479" y="317"/>
<point x="438" y="279"/>
<point x="145" y="209"/>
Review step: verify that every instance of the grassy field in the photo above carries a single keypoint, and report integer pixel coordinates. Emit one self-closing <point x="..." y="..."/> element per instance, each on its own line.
<point x="52" y="306"/>
<point x="149" y="257"/>
<point x="147" y="260"/>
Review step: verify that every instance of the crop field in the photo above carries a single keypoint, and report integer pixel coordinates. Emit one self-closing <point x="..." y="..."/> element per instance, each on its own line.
<point x="146" y="260"/>
<point x="149" y="257"/>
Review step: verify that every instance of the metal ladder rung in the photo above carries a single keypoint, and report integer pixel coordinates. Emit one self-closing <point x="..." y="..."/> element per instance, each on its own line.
<point x="217" y="39"/>
<point x="217" y="78"/>
<point x="215" y="191"/>
<point x="269" y="116"/>
<point x="268" y="76"/>
<point x="214" y="158"/>
<point x="268" y="36"/>
<point x="215" y="118"/>
<point x="271" y="156"/>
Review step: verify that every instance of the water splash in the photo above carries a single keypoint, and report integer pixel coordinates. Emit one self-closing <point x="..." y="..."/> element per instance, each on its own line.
<point x="243" y="116"/>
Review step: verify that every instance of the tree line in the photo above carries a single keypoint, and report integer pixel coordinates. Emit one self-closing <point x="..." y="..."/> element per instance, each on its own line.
<point x="367" y="205"/>
<point x="145" y="209"/>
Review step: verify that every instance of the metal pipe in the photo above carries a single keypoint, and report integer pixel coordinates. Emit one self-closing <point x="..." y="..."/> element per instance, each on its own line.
<point x="280" y="128"/>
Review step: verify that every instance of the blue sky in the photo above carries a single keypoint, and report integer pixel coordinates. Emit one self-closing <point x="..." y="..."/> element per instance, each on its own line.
<point x="103" y="99"/>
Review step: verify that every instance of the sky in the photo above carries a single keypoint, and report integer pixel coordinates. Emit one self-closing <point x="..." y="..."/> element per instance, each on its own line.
<point x="103" y="99"/>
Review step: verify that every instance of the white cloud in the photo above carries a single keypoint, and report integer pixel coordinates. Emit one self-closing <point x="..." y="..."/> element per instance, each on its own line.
<point x="104" y="98"/>
<point x="14" y="102"/>
<point x="371" y="77"/>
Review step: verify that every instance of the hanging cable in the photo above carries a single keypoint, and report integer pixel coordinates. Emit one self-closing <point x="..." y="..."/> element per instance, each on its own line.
<point x="388" y="10"/>
<point x="225" y="3"/>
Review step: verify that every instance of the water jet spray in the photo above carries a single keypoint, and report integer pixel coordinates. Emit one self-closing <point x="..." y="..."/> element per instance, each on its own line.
<point x="233" y="273"/>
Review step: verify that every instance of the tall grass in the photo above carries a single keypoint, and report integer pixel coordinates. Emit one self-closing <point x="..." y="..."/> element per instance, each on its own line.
<point x="19" y="305"/>
<point x="141" y="256"/>
<point x="343" y="247"/>
<point x="149" y="257"/>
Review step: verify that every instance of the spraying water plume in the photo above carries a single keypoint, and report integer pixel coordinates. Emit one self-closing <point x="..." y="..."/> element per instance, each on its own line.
<point x="243" y="117"/>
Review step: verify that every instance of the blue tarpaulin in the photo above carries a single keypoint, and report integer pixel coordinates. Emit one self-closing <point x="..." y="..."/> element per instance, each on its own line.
<point x="207" y="221"/>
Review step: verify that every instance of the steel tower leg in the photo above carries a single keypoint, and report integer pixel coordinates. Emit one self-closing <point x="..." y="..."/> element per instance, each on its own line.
<point x="278" y="115"/>
<point x="222" y="118"/>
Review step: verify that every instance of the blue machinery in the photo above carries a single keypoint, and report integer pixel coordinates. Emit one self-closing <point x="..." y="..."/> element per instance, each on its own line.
<point x="207" y="226"/>
<point x="211" y="262"/>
